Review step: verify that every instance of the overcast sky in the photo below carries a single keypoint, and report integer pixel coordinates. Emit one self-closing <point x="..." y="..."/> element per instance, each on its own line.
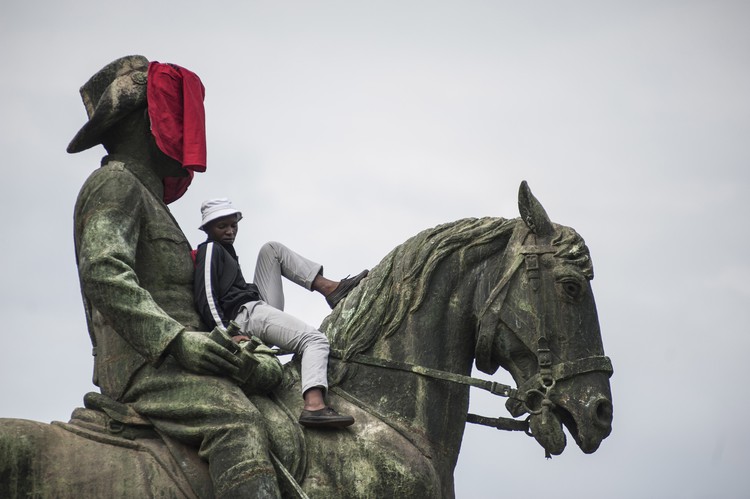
<point x="343" y="128"/>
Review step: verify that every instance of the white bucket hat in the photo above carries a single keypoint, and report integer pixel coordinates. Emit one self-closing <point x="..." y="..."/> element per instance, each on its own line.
<point x="217" y="208"/>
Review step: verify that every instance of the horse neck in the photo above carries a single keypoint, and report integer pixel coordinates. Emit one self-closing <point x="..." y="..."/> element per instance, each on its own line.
<point x="437" y="335"/>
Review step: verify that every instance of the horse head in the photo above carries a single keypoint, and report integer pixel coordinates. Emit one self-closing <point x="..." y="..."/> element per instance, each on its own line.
<point x="491" y="291"/>
<point x="538" y="321"/>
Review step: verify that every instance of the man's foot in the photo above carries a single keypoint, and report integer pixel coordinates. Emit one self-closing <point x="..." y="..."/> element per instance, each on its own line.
<point x="324" y="418"/>
<point x="346" y="285"/>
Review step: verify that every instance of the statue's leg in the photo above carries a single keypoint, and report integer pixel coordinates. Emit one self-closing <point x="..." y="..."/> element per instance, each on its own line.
<point x="214" y="415"/>
<point x="275" y="260"/>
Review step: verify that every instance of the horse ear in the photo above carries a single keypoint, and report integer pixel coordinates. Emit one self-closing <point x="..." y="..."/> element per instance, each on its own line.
<point x="532" y="212"/>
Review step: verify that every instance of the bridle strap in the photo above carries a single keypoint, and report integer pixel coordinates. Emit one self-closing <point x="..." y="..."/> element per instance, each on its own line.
<point x="490" y="386"/>
<point x="499" y="389"/>
<point x="516" y="239"/>
<point x="527" y="254"/>
<point x="485" y="335"/>
<point x="565" y="370"/>
<point x="559" y="372"/>
<point x="549" y="372"/>
<point x="501" y="285"/>
<point x="507" y="424"/>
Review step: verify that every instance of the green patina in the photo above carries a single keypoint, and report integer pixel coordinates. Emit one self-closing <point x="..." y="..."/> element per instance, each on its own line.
<point x="446" y="297"/>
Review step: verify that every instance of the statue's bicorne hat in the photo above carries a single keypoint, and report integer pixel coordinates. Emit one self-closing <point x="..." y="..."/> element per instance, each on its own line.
<point x="112" y="93"/>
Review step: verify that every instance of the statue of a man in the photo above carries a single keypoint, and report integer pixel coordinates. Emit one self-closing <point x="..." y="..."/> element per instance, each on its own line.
<point x="136" y="273"/>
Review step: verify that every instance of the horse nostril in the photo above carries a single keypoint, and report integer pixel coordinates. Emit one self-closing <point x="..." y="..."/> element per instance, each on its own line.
<point x="603" y="413"/>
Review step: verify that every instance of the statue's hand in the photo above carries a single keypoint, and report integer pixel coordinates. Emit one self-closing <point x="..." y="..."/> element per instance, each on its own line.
<point x="198" y="353"/>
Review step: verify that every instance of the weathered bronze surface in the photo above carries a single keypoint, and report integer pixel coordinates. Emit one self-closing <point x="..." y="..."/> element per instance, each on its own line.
<point x="501" y="293"/>
<point x="485" y="289"/>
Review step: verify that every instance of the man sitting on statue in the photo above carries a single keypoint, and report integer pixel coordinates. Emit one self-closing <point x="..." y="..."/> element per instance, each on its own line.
<point x="221" y="295"/>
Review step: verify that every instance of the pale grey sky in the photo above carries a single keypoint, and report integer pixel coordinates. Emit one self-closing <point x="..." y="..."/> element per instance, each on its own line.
<point x="343" y="128"/>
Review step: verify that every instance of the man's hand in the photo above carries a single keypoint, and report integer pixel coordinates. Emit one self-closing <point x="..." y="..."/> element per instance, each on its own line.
<point x="198" y="353"/>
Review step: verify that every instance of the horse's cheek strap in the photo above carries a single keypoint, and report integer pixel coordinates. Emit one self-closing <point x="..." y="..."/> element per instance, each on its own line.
<point x="488" y="318"/>
<point x="483" y="350"/>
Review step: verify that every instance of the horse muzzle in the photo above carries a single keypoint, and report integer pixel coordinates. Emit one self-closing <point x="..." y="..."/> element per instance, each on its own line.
<point x="585" y="408"/>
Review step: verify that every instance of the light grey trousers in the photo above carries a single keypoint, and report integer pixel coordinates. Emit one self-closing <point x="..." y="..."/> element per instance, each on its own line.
<point x="267" y="320"/>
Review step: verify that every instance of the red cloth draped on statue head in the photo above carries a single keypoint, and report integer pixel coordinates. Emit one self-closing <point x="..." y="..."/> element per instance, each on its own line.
<point x="178" y="121"/>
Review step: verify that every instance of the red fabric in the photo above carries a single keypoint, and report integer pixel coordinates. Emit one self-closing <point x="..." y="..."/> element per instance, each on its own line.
<point x="178" y="121"/>
<point x="175" y="187"/>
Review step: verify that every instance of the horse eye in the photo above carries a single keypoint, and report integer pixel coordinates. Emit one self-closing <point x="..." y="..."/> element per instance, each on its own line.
<point x="571" y="288"/>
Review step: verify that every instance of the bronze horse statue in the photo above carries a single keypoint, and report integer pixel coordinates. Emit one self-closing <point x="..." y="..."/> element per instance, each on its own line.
<point x="502" y="293"/>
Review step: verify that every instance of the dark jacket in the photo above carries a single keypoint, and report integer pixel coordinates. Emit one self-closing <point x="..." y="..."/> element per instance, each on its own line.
<point x="219" y="289"/>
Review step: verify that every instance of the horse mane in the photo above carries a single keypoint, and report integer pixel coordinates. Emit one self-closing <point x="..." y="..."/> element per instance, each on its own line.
<point x="572" y="248"/>
<point x="397" y="286"/>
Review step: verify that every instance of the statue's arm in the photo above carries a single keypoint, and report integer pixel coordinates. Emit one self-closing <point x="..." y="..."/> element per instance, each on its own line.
<point x="108" y="226"/>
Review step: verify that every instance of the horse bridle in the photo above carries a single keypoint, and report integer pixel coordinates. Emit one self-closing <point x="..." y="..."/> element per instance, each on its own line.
<point x="533" y="395"/>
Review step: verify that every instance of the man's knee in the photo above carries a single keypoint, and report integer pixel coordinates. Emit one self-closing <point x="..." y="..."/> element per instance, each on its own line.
<point x="271" y="249"/>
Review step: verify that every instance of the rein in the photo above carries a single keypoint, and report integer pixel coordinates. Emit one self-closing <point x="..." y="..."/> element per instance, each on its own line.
<point x="490" y="386"/>
<point x="535" y="391"/>
<point x="499" y="389"/>
<point x="534" y="394"/>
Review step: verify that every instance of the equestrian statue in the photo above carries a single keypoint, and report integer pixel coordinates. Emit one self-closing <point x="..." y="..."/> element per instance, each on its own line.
<point x="503" y="293"/>
<point x="184" y="412"/>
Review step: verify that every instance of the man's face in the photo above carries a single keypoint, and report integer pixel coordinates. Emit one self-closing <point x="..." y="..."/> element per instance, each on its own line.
<point x="224" y="229"/>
